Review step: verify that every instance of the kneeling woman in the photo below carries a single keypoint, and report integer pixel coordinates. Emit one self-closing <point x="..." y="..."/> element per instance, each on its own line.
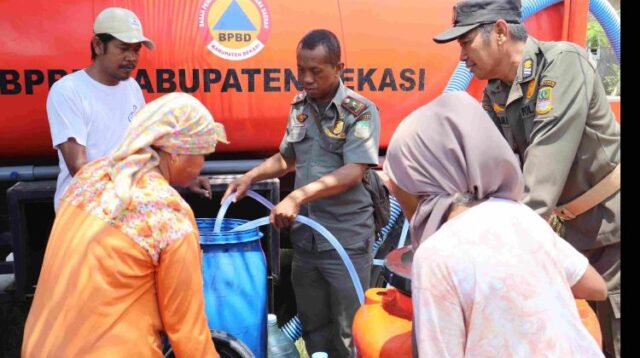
<point x="490" y="278"/>
<point x="123" y="260"/>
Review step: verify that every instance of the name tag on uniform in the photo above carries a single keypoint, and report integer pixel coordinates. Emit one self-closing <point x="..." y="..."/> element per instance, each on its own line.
<point x="363" y="129"/>
<point x="528" y="110"/>
<point x="502" y="118"/>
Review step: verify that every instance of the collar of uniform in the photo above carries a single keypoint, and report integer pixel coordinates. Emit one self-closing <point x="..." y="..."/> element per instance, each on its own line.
<point x="341" y="93"/>
<point x="531" y="49"/>
<point x="495" y="86"/>
<point x="497" y="92"/>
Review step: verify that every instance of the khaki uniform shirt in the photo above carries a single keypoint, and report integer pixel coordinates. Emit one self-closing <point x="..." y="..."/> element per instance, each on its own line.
<point x="556" y="117"/>
<point x="350" y="134"/>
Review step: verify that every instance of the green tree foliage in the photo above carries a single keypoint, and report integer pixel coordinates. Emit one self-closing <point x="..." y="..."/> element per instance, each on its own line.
<point x="597" y="39"/>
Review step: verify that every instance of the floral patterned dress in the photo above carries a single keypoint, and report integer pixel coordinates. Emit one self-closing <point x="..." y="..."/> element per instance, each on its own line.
<point x="108" y="287"/>
<point x="495" y="281"/>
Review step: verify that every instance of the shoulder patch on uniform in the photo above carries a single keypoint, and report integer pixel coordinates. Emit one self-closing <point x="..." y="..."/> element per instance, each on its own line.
<point x="498" y="108"/>
<point x="548" y="83"/>
<point x="527" y="68"/>
<point x="353" y="105"/>
<point x="362" y="129"/>
<point x="299" y="98"/>
<point x="544" y="105"/>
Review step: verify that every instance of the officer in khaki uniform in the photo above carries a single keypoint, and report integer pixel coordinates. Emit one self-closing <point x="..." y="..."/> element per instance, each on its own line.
<point x="550" y="105"/>
<point x="332" y="137"/>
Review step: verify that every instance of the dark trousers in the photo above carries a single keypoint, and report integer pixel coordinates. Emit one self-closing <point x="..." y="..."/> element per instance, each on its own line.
<point x="326" y="298"/>
<point x="606" y="260"/>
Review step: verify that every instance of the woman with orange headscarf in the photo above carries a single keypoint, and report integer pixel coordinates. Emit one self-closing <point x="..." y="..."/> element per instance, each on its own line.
<point x="489" y="276"/>
<point x="122" y="263"/>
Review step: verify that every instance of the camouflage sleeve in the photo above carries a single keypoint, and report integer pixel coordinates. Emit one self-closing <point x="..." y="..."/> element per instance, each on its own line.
<point x="561" y="113"/>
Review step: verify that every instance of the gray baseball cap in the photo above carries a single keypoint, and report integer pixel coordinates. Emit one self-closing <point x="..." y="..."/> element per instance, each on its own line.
<point x="469" y="14"/>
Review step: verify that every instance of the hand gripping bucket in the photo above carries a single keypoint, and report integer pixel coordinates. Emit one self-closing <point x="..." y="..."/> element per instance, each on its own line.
<point x="235" y="282"/>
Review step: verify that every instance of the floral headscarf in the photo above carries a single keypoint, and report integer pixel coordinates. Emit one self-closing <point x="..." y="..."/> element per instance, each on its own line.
<point x="176" y="123"/>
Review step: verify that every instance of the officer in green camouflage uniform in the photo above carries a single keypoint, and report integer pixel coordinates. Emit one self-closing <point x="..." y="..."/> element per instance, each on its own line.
<point x="550" y="104"/>
<point x="332" y="137"/>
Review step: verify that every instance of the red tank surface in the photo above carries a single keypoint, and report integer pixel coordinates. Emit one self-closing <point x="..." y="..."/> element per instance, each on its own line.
<point x="246" y="78"/>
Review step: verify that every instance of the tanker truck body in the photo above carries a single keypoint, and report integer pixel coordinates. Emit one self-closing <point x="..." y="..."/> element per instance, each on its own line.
<point x="237" y="57"/>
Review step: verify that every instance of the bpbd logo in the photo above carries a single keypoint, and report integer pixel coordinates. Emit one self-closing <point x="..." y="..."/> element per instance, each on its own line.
<point x="235" y="29"/>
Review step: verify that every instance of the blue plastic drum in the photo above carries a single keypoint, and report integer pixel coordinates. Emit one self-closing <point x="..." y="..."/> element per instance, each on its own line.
<point x="235" y="282"/>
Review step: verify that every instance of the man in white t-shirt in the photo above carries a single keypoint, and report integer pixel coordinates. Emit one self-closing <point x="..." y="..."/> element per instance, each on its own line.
<point x="89" y="110"/>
